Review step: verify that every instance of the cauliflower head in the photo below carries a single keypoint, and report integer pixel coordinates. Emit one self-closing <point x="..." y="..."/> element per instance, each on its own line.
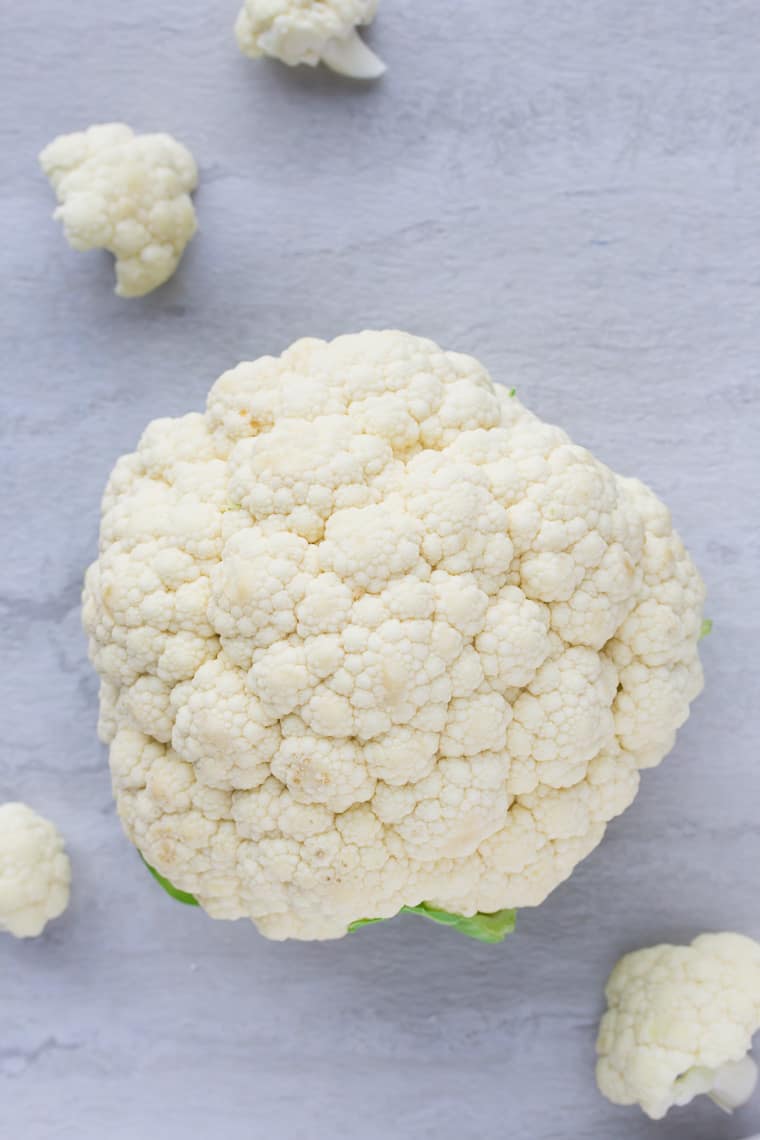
<point x="371" y="634"/>
<point x="127" y="193"/>
<point x="35" y="872"/>
<point x="311" y="32"/>
<point x="679" y="1023"/>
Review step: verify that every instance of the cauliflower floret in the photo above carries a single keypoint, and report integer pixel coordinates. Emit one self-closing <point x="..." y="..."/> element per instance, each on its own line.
<point x="312" y="32"/>
<point x="127" y="193"/>
<point x="679" y="1023"/>
<point x="35" y="872"/>
<point x="372" y="635"/>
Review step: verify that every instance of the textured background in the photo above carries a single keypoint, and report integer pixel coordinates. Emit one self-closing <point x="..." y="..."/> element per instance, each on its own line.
<point x="567" y="190"/>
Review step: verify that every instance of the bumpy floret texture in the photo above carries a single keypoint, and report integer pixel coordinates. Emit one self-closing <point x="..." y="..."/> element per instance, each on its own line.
<point x="34" y="871"/>
<point x="370" y="633"/>
<point x="299" y="31"/>
<point x="127" y="193"/>
<point x="677" y="1015"/>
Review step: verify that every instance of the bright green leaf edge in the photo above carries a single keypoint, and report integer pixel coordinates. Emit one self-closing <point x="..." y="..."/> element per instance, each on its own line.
<point x="484" y="927"/>
<point x="705" y="628"/>
<point x="181" y="896"/>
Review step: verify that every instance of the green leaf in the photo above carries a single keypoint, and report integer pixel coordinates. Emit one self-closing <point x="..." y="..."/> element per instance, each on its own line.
<point x="706" y="628"/>
<point x="360" y="922"/>
<point x="484" y="927"/>
<point x="513" y="391"/>
<point x="181" y="896"/>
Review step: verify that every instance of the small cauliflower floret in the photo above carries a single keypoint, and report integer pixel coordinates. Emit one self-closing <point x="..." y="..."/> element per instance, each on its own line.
<point x="35" y="873"/>
<point x="514" y="641"/>
<point x="562" y="719"/>
<point x="451" y="811"/>
<point x="256" y="589"/>
<point x="302" y="472"/>
<point x="373" y="637"/>
<point x="324" y="771"/>
<point x="312" y="32"/>
<point x="679" y="1023"/>
<point x="223" y="728"/>
<point x="369" y="547"/>
<point x="127" y="193"/>
<point x="465" y="528"/>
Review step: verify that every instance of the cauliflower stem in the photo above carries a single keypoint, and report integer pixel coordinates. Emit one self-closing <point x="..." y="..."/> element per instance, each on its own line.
<point x="733" y="1083"/>
<point x="351" y="57"/>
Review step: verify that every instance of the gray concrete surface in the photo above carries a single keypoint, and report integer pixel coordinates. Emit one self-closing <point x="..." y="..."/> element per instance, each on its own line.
<point x="571" y="191"/>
